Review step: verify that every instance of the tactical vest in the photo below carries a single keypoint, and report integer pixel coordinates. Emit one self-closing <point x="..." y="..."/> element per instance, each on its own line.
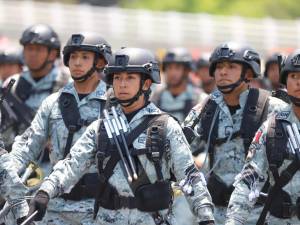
<point x="188" y="105"/>
<point x="148" y="197"/>
<point x="279" y="202"/>
<point x="254" y="114"/>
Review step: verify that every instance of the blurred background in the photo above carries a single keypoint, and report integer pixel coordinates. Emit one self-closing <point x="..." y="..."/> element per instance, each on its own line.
<point x="199" y="25"/>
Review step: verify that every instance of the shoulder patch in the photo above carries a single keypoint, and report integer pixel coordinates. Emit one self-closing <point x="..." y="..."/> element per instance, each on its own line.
<point x="282" y="115"/>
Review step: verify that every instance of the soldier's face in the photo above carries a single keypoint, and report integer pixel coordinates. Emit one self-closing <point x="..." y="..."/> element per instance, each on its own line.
<point x="81" y="62"/>
<point x="8" y="69"/>
<point x="273" y="73"/>
<point x="174" y="73"/>
<point x="126" y="85"/>
<point x="293" y="84"/>
<point x="227" y="73"/>
<point x="35" y="55"/>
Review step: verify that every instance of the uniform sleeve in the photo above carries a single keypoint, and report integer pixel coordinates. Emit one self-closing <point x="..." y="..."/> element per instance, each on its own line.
<point x="66" y="173"/>
<point x="12" y="189"/>
<point x="28" y="146"/>
<point x="185" y="171"/>
<point x="251" y="179"/>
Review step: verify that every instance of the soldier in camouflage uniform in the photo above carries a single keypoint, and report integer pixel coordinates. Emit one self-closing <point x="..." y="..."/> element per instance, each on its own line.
<point x="131" y="74"/>
<point x="225" y="124"/>
<point x="202" y="71"/>
<point x="40" y="78"/>
<point x="62" y="118"/>
<point x="272" y="75"/>
<point x="269" y="155"/>
<point x="178" y="96"/>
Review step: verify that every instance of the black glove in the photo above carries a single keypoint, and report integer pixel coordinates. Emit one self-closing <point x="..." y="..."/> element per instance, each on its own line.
<point x="39" y="203"/>
<point x="209" y="222"/>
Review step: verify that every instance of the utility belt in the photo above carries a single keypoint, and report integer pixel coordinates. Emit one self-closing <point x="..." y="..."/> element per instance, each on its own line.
<point x="219" y="191"/>
<point x="147" y="198"/>
<point x="84" y="189"/>
<point x="283" y="208"/>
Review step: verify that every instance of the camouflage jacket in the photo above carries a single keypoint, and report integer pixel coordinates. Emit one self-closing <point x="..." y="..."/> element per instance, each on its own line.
<point x="82" y="156"/>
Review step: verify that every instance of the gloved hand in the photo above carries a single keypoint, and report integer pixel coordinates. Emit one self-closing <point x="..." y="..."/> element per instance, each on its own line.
<point x="209" y="222"/>
<point x="39" y="203"/>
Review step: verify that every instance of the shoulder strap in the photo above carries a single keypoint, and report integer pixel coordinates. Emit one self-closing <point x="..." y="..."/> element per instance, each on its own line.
<point x="71" y="117"/>
<point x="23" y="89"/>
<point x="255" y="112"/>
<point x="276" y="142"/>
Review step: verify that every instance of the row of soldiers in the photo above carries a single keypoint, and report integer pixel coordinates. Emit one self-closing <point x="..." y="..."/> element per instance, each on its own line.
<point x="116" y="157"/>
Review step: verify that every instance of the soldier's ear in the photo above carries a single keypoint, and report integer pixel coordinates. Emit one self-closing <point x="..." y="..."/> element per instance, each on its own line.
<point x="100" y="62"/>
<point x="53" y="54"/>
<point x="147" y="84"/>
<point x="249" y="75"/>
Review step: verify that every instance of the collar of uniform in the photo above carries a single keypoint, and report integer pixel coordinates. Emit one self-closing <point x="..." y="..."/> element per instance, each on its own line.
<point x="150" y="109"/>
<point x="98" y="93"/>
<point x="48" y="79"/>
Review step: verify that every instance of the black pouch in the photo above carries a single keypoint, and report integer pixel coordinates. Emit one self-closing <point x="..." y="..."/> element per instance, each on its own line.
<point x="282" y="206"/>
<point x="219" y="191"/>
<point x="153" y="197"/>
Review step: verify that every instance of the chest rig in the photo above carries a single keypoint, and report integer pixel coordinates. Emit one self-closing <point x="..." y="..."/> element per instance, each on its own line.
<point x="255" y="112"/>
<point x="279" y="202"/>
<point x="86" y="187"/>
<point x="148" y="197"/>
<point x="188" y="105"/>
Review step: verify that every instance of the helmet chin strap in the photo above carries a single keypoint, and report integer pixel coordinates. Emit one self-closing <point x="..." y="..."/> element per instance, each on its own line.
<point x="88" y="73"/>
<point x="226" y="89"/>
<point x="129" y="102"/>
<point x="295" y="101"/>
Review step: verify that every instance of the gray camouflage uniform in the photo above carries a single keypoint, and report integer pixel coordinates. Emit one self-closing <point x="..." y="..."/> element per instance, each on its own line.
<point x="176" y="105"/>
<point x="229" y="157"/>
<point x="48" y="124"/>
<point x="52" y="81"/>
<point x="257" y="170"/>
<point x="82" y="157"/>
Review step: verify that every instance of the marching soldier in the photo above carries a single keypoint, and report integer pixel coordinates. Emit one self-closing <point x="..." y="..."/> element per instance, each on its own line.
<point x="134" y="172"/>
<point x="274" y="153"/>
<point x="226" y="123"/>
<point x="63" y="118"/>
<point x="178" y="96"/>
<point x="41" y="48"/>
